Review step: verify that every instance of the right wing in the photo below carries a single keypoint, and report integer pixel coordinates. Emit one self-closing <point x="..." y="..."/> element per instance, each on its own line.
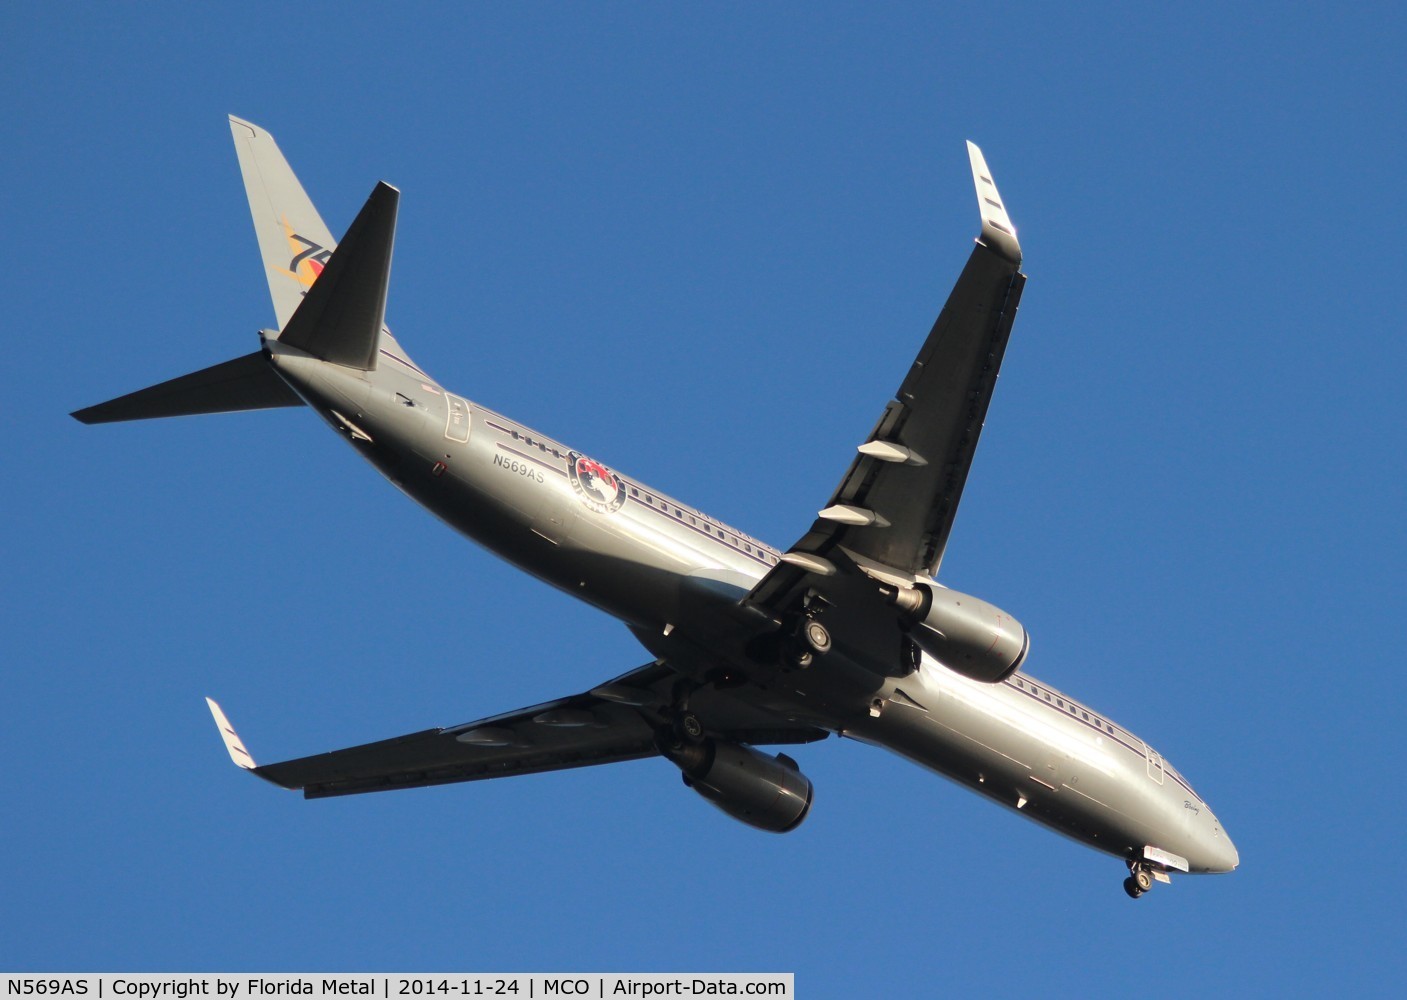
<point x="894" y="508"/>
<point x="612" y="722"/>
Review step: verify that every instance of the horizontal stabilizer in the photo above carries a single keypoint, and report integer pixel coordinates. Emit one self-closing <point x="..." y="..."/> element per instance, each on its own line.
<point x="247" y="383"/>
<point x="340" y="318"/>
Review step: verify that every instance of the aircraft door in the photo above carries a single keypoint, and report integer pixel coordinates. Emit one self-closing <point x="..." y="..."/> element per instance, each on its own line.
<point x="457" y="419"/>
<point x="1155" y="763"/>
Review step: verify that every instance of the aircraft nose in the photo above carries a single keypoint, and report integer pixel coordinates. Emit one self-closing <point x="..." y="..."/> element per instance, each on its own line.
<point x="1222" y="856"/>
<point x="1228" y="857"/>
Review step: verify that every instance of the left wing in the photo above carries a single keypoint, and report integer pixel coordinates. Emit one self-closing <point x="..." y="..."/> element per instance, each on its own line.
<point x="613" y="722"/>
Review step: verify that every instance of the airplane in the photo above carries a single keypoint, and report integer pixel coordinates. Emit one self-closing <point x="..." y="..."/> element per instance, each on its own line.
<point x="845" y="633"/>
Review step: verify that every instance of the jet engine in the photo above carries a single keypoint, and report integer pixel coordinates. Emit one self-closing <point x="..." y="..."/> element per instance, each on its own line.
<point x="965" y="634"/>
<point x="769" y="793"/>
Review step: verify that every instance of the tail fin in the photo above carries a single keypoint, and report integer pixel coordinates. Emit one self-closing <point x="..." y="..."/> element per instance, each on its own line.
<point x="297" y="248"/>
<point x="293" y="239"/>
<point x="339" y="319"/>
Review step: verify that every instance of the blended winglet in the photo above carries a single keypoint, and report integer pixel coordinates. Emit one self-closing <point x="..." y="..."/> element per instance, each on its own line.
<point x="233" y="743"/>
<point x="997" y="231"/>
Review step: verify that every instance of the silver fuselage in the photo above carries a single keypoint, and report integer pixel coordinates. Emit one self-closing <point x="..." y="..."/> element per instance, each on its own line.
<point x="677" y="577"/>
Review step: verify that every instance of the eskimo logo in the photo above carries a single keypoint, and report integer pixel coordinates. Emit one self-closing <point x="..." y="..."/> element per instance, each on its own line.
<point x="307" y="257"/>
<point x="599" y="488"/>
<point x="316" y="256"/>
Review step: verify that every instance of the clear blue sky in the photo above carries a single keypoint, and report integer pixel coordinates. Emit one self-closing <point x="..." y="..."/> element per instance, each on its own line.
<point x="703" y="243"/>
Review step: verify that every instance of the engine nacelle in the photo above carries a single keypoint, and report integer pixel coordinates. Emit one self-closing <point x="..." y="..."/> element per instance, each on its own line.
<point x="965" y="634"/>
<point x="767" y="792"/>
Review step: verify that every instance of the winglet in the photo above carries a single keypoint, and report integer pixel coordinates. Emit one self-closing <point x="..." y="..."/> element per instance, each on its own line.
<point x="232" y="741"/>
<point x="998" y="233"/>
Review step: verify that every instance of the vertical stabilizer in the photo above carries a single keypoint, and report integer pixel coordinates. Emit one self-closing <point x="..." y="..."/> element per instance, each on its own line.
<point x="293" y="240"/>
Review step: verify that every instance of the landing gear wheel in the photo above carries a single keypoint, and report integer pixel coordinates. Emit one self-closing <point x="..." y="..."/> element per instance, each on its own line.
<point x="816" y="636"/>
<point x="1132" y="887"/>
<point x="1143" y="879"/>
<point x="689" y="728"/>
<point x="802" y="658"/>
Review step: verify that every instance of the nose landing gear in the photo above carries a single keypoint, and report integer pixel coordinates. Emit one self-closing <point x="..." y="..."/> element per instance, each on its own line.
<point x="1141" y="878"/>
